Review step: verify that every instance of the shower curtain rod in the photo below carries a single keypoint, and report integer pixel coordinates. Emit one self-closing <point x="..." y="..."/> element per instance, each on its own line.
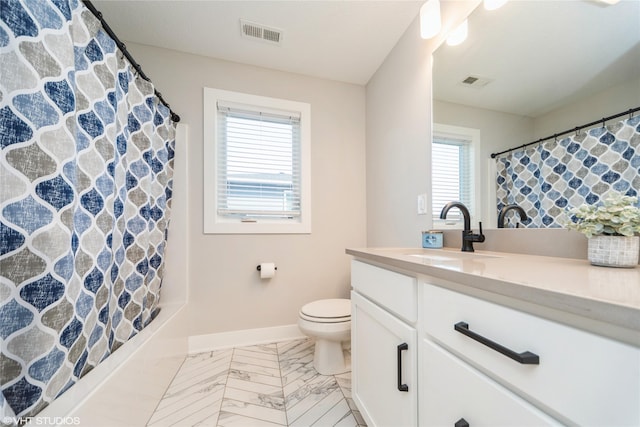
<point x="123" y="48"/>
<point x="576" y="129"/>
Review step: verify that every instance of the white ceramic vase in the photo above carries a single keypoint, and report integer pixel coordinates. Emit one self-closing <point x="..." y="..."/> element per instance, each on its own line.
<point x="614" y="251"/>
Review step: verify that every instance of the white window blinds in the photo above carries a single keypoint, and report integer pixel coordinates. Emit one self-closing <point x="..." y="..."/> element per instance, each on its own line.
<point x="258" y="163"/>
<point x="452" y="175"/>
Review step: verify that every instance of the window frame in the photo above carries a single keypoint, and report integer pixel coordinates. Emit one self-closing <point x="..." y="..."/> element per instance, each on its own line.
<point x="473" y="136"/>
<point x="215" y="223"/>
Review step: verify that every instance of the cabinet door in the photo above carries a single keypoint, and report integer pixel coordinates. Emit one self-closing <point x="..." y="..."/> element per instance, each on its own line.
<point x="383" y="365"/>
<point x="452" y="393"/>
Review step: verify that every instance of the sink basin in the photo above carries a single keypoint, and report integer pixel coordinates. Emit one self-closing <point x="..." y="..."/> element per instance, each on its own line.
<point x="451" y="256"/>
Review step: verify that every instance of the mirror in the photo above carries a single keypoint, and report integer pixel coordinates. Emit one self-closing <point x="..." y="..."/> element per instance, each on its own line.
<point x="534" y="69"/>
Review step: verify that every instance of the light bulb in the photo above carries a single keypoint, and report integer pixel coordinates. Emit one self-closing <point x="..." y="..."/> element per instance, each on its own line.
<point x="458" y="35"/>
<point x="494" y="4"/>
<point x="430" y="23"/>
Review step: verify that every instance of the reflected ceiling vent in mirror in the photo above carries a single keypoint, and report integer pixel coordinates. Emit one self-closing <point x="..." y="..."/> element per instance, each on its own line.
<point x="255" y="31"/>
<point x="475" y="82"/>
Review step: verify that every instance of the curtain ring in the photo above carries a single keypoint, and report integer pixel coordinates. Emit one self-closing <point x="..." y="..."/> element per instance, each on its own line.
<point x="630" y="113"/>
<point x="603" y="123"/>
<point x="577" y="130"/>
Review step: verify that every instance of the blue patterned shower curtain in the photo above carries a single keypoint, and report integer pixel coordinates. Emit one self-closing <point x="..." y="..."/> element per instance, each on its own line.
<point x="86" y="177"/>
<point x="582" y="168"/>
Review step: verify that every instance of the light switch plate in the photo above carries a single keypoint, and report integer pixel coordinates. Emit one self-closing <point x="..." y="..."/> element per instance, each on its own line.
<point x="422" y="204"/>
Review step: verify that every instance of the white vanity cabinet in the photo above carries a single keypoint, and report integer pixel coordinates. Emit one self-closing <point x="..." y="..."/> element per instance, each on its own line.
<point x="383" y="346"/>
<point x="470" y="357"/>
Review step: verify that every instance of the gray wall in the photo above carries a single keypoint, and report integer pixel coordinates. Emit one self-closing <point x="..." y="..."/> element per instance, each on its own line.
<point x="224" y="290"/>
<point x="399" y="134"/>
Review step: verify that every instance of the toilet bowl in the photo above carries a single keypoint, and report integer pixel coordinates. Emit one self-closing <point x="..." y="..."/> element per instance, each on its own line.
<point x="329" y="322"/>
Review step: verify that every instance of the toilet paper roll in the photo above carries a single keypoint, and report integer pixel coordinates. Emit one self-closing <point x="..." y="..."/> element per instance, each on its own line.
<point x="267" y="270"/>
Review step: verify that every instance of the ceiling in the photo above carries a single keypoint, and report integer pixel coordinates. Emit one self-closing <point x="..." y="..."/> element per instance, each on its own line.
<point x="538" y="55"/>
<point x="343" y="40"/>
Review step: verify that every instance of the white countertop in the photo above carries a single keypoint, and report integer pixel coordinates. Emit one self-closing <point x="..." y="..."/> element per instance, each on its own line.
<point x="605" y="294"/>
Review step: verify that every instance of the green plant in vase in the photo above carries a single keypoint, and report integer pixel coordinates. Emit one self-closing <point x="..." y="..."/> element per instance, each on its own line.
<point x="611" y="228"/>
<point x="618" y="216"/>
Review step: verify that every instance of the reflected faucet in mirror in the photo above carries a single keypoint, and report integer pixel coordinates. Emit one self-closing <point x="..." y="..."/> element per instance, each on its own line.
<point x="503" y="213"/>
<point x="467" y="234"/>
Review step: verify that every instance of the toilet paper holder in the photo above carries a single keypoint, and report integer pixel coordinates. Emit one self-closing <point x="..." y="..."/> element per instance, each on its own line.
<point x="260" y="268"/>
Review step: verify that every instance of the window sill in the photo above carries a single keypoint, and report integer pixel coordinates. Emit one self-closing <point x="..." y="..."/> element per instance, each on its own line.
<point x="258" y="227"/>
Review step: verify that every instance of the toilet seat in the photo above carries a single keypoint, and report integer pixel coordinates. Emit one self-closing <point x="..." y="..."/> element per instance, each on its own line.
<point x="327" y="311"/>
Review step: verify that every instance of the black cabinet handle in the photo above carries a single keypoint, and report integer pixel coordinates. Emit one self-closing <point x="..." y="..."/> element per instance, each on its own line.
<point x="461" y="423"/>
<point x="401" y="347"/>
<point x="526" y="358"/>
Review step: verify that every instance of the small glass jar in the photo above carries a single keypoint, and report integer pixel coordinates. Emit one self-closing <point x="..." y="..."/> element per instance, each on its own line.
<point x="432" y="239"/>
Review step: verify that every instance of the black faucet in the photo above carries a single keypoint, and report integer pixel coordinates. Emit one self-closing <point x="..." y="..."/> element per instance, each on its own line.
<point x="507" y="208"/>
<point x="467" y="234"/>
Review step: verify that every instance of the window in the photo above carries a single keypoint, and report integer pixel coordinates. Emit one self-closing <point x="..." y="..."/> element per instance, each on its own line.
<point x="453" y="171"/>
<point x="256" y="164"/>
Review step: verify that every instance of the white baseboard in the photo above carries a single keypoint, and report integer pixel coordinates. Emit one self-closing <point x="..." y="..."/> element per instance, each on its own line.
<point x="245" y="337"/>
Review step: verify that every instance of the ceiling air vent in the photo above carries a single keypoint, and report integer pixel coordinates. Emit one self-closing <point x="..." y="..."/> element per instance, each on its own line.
<point x="256" y="31"/>
<point x="475" y="82"/>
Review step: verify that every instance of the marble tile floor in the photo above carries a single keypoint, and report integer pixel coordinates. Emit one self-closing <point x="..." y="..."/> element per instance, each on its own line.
<point x="263" y="385"/>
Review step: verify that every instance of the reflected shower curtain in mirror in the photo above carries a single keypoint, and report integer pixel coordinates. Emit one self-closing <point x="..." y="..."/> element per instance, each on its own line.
<point x="86" y="178"/>
<point x="582" y="168"/>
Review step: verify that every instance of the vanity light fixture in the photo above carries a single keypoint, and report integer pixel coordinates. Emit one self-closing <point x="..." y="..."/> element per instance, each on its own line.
<point x="493" y="4"/>
<point x="458" y="35"/>
<point x="430" y="23"/>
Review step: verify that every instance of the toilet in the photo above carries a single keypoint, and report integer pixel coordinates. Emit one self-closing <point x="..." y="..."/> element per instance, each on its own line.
<point x="329" y="322"/>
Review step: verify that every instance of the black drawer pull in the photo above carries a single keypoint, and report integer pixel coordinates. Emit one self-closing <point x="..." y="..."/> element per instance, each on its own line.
<point x="401" y="347"/>
<point x="526" y="357"/>
<point x="461" y="423"/>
